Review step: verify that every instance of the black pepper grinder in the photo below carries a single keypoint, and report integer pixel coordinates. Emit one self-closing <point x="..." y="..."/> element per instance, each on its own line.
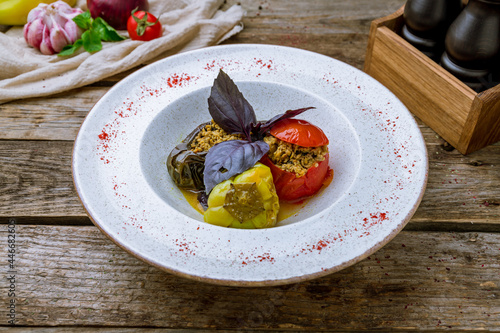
<point x="472" y="44"/>
<point x="426" y="23"/>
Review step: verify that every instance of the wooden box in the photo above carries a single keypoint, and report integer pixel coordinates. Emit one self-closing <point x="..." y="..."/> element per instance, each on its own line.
<point x="465" y="119"/>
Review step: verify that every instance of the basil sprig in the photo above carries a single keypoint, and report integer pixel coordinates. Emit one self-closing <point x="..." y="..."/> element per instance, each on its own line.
<point x="234" y="114"/>
<point x="96" y="31"/>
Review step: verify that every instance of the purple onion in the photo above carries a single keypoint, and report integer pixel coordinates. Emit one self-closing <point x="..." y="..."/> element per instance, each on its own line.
<point x="116" y="12"/>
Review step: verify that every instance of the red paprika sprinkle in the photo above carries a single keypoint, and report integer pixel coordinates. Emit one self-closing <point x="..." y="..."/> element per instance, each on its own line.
<point x="103" y="135"/>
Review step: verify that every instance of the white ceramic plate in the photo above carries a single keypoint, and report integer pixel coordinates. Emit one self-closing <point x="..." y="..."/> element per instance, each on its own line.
<point x="376" y="150"/>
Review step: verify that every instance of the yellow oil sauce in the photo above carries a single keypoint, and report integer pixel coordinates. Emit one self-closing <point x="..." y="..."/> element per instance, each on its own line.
<point x="192" y="199"/>
<point x="287" y="209"/>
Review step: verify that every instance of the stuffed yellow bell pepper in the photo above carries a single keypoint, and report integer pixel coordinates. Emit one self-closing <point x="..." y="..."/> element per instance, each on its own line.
<point x="246" y="201"/>
<point x="15" y="12"/>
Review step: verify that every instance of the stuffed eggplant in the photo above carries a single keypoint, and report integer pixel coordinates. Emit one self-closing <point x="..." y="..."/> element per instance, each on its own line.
<point x="186" y="162"/>
<point x="186" y="166"/>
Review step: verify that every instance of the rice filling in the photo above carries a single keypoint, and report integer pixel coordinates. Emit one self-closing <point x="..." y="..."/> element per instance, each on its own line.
<point x="211" y="135"/>
<point x="294" y="158"/>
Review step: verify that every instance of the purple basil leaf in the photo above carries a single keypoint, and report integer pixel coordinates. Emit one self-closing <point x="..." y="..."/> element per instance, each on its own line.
<point x="262" y="128"/>
<point x="229" y="109"/>
<point x="229" y="158"/>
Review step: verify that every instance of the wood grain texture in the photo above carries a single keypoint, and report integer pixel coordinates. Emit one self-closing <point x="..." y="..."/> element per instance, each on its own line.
<point x="483" y="124"/>
<point x="65" y="329"/>
<point x="441" y="273"/>
<point x="424" y="87"/>
<point x="76" y="276"/>
<point x="467" y="120"/>
<point x="335" y="28"/>
<point x="393" y="21"/>
<point x="36" y="182"/>
<point x="57" y="117"/>
<point x="35" y="179"/>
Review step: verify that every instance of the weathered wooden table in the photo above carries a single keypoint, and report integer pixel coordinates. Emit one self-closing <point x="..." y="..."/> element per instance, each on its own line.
<point x="441" y="272"/>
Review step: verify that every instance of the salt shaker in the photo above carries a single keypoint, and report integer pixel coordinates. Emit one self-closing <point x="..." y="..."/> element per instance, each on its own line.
<point x="472" y="44"/>
<point x="426" y="23"/>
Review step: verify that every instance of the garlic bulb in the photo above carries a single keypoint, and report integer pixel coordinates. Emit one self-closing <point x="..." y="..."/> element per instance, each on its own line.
<point x="51" y="27"/>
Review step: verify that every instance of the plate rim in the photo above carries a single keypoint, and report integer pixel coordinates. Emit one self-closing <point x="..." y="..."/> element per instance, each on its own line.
<point x="235" y="282"/>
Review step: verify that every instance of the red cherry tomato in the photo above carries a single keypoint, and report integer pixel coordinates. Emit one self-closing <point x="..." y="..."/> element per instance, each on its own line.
<point x="299" y="132"/>
<point x="291" y="188"/>
<point x="143" y="28"/>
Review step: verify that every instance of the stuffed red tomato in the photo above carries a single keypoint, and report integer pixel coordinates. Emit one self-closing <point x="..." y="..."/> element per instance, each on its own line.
<point x="298" y="158"/>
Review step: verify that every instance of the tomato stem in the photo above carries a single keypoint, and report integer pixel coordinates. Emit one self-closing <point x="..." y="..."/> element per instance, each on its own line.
<point x="142" y="23"/>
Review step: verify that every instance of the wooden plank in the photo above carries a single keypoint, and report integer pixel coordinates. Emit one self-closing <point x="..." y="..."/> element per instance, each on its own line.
<point x="334" y="28"/>
<point x="35" y="179"/>
<point x="93" y="329"/>
<point x="461" y="189"/>
<point x="420" y="280"/>
<point x="55" y="118"/>
<point x="296" y="14"/>
<point x="483" y="124"/>
<point x="35" y="182"/>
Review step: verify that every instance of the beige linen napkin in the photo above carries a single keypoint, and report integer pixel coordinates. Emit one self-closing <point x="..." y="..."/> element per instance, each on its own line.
<point x="187" y="25"/>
